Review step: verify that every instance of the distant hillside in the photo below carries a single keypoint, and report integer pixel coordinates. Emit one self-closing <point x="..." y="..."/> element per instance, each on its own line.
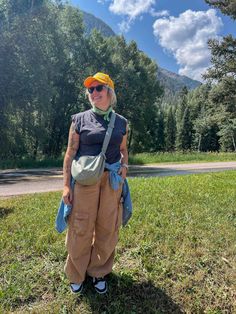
<point x="91" y="22"/>
<point x="171" y="82"/>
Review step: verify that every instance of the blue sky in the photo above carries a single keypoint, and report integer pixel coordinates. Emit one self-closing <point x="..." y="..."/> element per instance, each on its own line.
<point x="173" y="32"/>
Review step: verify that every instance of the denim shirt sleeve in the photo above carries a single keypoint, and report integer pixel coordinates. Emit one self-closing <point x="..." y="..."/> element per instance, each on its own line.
<point x="127" y="203"/>
<point x="62" y="216"/>
<point x="63" y="213"/>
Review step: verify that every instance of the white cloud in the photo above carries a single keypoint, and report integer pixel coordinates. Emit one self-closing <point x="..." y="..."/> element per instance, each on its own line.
<point x="131" y="9"/>
<point x="102" y="1"/>
<point x="124" y="26"/>
<point x="186" y="38"/>
<point x="159" y="13"/>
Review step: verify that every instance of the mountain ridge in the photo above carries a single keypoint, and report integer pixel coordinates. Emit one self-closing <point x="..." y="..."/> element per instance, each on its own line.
<point x="173" y="82"/>
<point x="91" y="22"/>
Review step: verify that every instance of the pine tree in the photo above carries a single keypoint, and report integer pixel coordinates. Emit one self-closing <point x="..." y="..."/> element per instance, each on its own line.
<point x="170" y="130"/>
<point x="227" y="7"/>
<point x="160" y="131"/>
<point x="182" y="105"/>
<point x="185" y="133"/>
<point x="223" y="74"/>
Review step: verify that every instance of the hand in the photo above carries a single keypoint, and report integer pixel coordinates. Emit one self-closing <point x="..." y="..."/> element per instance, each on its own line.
<point x="67" y="195"/>
<point x="122" y="172"/>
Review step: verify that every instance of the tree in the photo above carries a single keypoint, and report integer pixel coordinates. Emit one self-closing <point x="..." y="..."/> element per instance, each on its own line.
<point x="227" y="135"/>
<point x="67" y="92"/>
<point x="137" y="89"/>
<point x="202" y="117"/>
<point x="223" y="58"/>
<point x="21" y="75"/>
<point x="206" y="136"/>
<point x="185" y="131"/>
<point x="222" y="96"/>
<point x="181" y="107"/>
<point x="159" y="144"/>
<point x="227" y="7"/>
<point x="44" y="58"/>
<point x="170" y="130"/>
<point x="41" y="62"/>
<point x="222" y="76"/>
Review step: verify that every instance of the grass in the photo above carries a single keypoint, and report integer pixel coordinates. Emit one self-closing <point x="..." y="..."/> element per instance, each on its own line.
<point x="177" y="255"/>
<point x="178" y="157"/>
<point x="137" y="159"/>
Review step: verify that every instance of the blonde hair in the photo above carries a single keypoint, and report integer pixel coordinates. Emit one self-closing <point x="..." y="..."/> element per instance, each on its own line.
<point x="111" y="93"/>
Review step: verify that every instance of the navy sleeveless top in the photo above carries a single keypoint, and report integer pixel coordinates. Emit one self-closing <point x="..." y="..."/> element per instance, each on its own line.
<point x="91" y="128"/>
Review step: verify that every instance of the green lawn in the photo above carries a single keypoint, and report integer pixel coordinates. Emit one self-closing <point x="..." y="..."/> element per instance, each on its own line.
<point x="177" y="157"/>
<point x="177" y="254"/>
<point x="137" y="159"/>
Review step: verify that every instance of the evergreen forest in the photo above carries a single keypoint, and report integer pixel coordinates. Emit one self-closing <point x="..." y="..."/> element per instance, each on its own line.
<point x="45" y="54"/>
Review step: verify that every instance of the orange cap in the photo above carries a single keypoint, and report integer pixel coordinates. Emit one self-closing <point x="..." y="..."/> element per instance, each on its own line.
<point x="100" y="77"/>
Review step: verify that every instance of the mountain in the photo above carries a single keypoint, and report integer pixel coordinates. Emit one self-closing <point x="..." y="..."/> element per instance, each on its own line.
<point x="171" y="82"/>
<point x="91" y="22"/>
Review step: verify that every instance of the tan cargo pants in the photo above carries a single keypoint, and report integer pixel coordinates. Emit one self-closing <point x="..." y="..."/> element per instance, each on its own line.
<point x="93" y="227"/>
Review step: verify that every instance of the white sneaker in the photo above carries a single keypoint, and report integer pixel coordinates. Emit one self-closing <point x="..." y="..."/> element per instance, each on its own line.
<point x="100" y="285"/>
<point x="76" y="287"/>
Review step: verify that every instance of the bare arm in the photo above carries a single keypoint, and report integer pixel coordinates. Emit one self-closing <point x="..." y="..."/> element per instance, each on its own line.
<point x="72" y="148"/>
<point x="124" y="152"/>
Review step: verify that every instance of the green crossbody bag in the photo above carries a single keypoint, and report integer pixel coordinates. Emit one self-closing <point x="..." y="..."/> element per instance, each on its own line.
<point x="87" y="170"/>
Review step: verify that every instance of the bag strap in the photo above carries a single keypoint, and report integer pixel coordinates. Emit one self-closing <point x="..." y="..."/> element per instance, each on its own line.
<point x="108" y="132"/>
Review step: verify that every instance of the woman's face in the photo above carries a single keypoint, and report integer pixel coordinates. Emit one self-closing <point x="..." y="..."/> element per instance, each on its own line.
<point x="99" y="98"/>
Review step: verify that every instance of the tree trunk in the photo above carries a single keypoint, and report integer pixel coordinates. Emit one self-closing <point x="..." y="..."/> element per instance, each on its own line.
<point x="35" y="150"/>
<point x="234" y="143"/>
<point x="199" y="143"/>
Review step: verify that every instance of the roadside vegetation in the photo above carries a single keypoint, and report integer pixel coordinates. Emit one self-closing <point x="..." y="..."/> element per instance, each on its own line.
<point x="136" y="159"/>
<point x="177" y="255"/>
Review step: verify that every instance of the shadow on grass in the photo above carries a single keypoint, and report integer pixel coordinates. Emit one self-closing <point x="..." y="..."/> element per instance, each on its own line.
<point x="5" y="212"/>
<point x="127" y="296"/>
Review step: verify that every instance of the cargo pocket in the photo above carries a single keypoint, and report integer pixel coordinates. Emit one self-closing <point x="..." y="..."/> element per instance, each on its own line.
<point x="80" y="223"/>
<point x="119" y="214"/>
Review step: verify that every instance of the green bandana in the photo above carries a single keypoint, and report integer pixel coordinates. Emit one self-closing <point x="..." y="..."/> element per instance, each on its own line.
<point x="105" y="114"/>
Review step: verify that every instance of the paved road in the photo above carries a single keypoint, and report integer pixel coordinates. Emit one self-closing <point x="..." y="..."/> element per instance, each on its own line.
<point x="17" y="182"/>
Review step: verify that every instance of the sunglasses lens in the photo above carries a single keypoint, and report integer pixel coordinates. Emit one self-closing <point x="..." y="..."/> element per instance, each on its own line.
<point x="90" y="90"/>
<point x="98" y="88"/>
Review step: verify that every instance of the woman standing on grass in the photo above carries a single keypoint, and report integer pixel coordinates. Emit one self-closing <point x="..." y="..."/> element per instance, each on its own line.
<point x="95" y="217"/>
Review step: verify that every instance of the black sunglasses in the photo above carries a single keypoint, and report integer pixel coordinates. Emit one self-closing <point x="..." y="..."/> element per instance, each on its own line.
<point x="98" y="88"/>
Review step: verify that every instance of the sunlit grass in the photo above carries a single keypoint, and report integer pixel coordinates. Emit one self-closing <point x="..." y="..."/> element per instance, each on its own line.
<point x="177" y="157"/>
<point x="177" y="255"/>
